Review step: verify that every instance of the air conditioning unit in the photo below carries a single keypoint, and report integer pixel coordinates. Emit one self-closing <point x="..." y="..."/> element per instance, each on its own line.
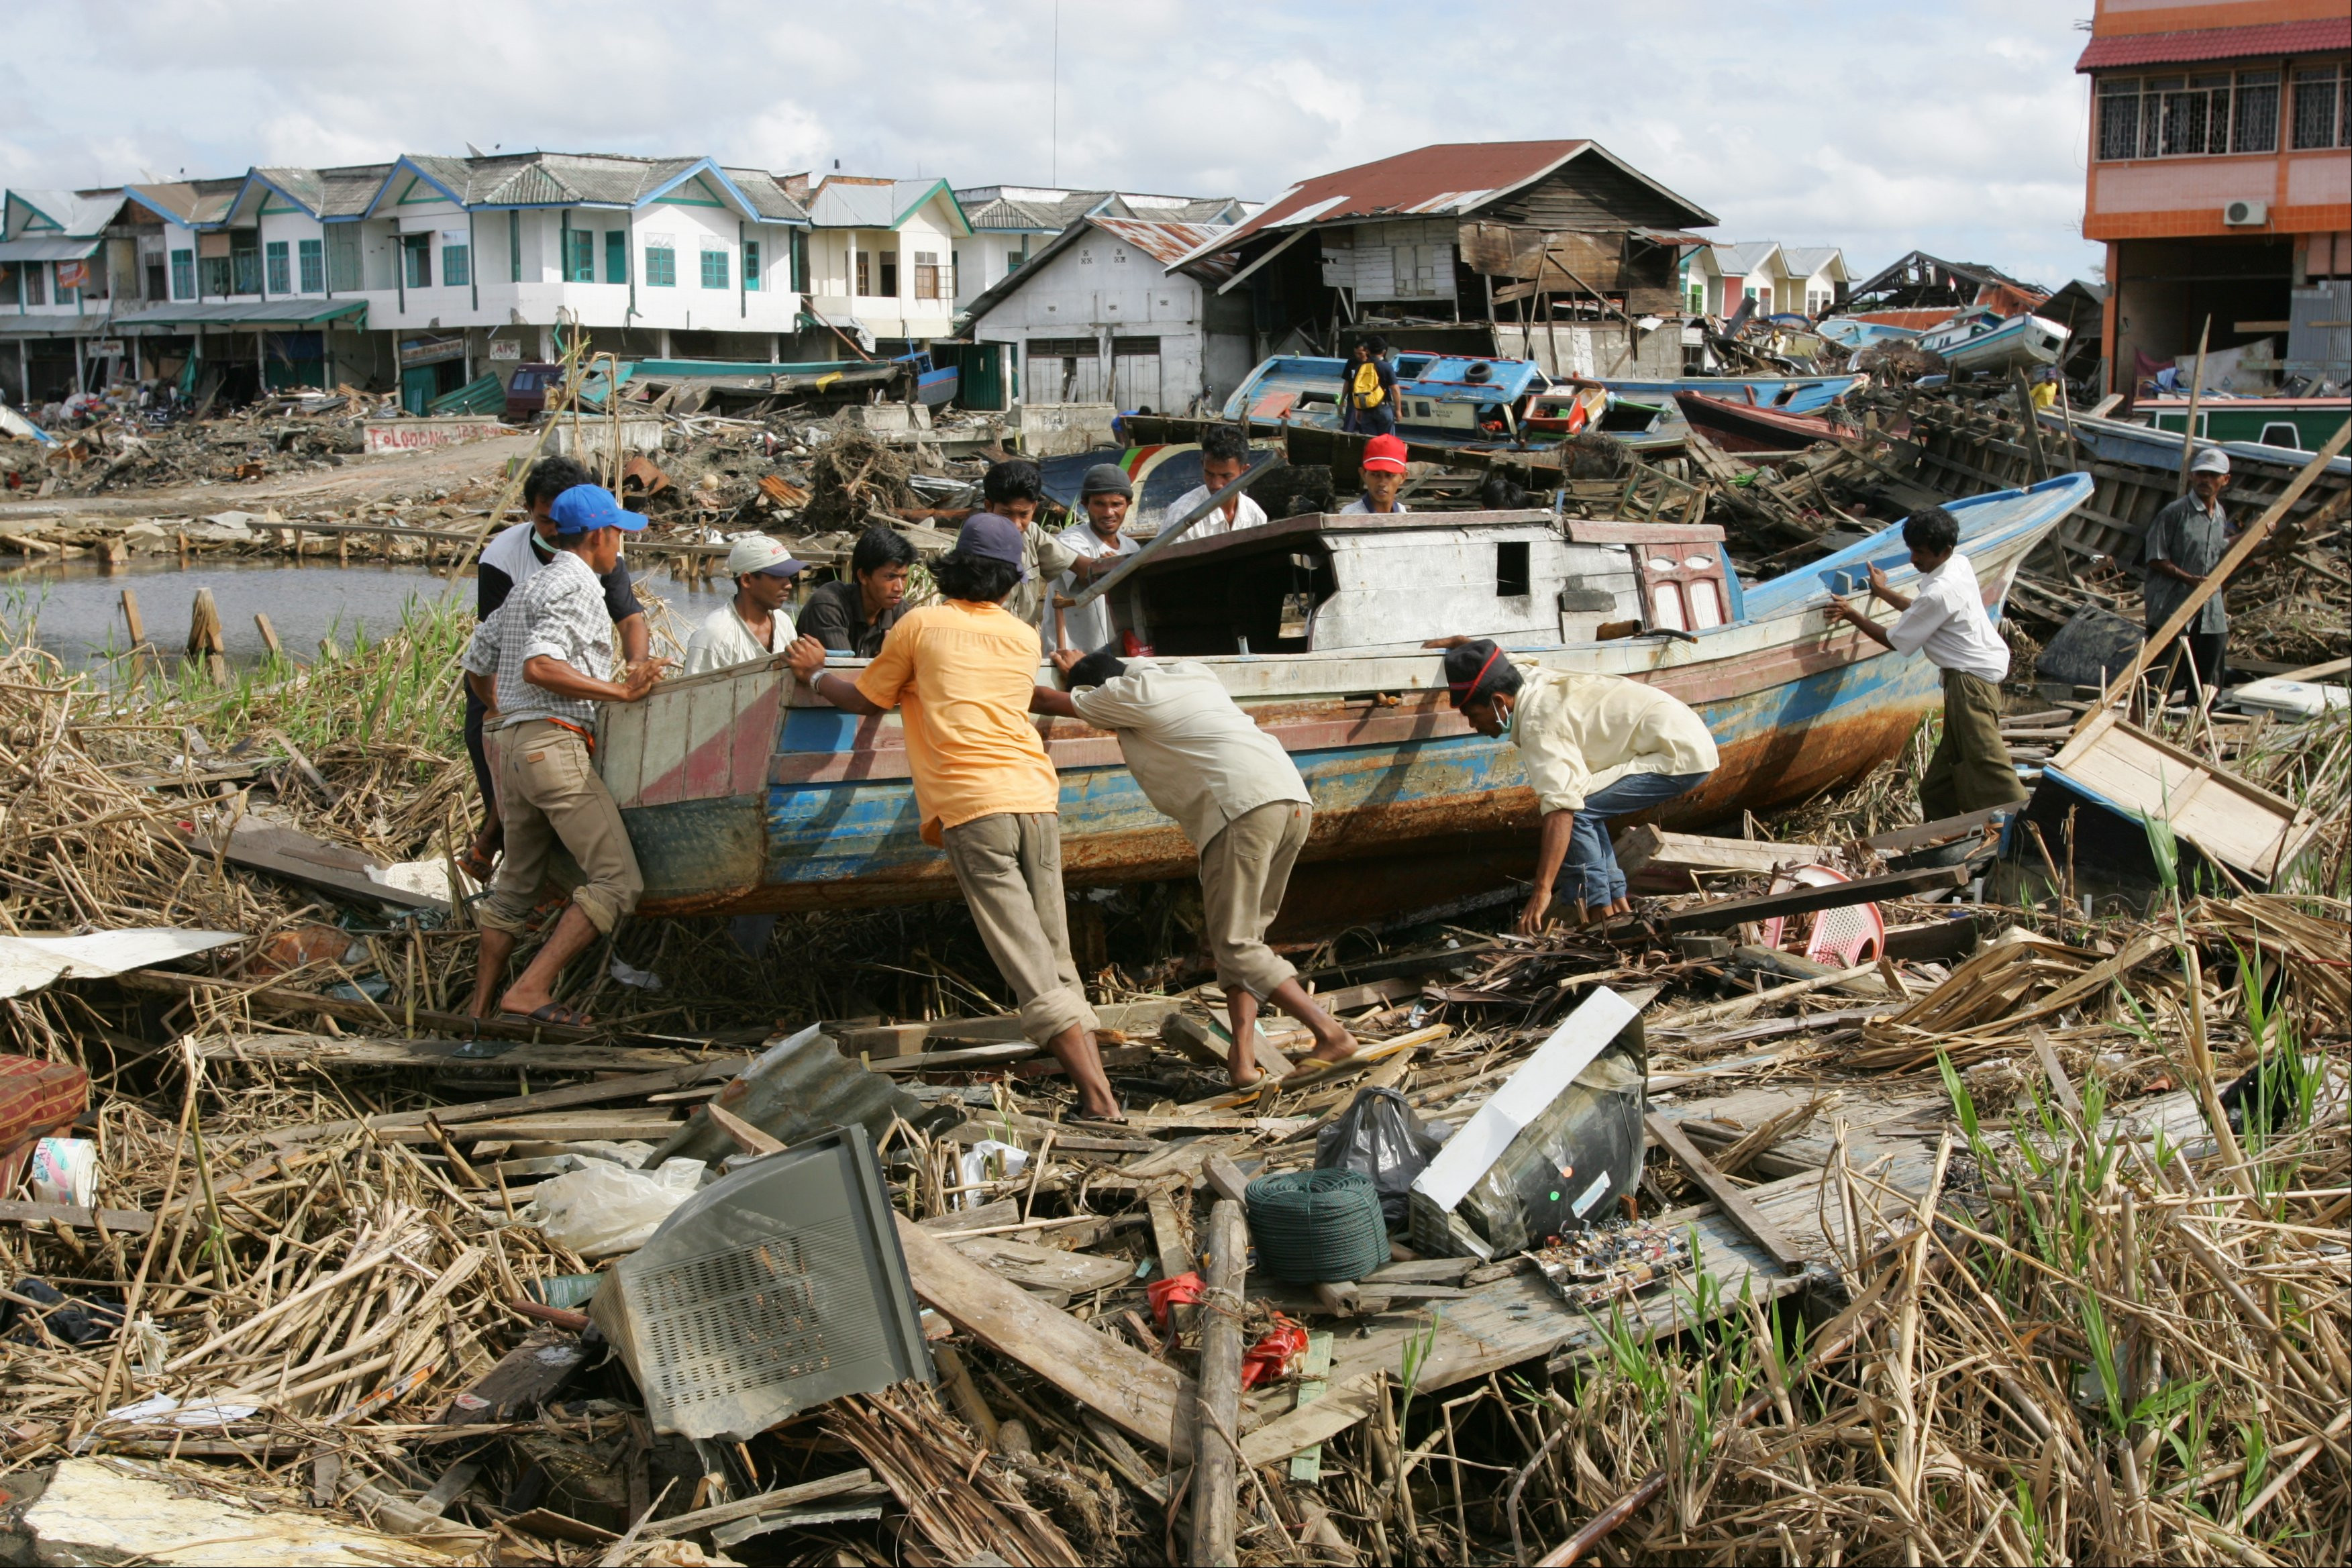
<point x="2245" y="215"/>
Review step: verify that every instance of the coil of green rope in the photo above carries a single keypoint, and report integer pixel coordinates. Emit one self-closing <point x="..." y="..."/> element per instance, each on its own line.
<point x="1316" y="1224"/>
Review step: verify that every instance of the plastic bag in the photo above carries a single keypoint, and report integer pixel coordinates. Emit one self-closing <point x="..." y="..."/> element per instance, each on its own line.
<point x="1270" y="1359"/>
<point x="605" y="1210"/>
<point x="1176" y="1290"/>
<point x="1379" y="1136"/>
<point x="986" y="1161"/>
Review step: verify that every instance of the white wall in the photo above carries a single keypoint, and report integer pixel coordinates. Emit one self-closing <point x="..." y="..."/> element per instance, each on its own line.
<point x="898" y="313"/>
<point x="1103" y="289"/>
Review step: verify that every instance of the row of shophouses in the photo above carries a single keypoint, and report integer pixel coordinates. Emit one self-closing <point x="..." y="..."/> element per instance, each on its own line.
<point x="426" y="271"/>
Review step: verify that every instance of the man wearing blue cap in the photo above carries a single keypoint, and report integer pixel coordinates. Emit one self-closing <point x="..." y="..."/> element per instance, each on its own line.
<point x="535" y="663"/>
<point x="961" y="675"/>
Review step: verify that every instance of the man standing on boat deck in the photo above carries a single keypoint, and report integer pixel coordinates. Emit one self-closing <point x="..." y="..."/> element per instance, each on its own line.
<point x="537" y="665"/>
<point x="1225" y="457"/>
<point x="507" y="562"/>
<point x="1383" y="478"/>
<point x="754" y="624"/>
<point x="962" y="675"/>
<point x="1594" y="746"/>
<point x="1106" y="493"/>
<point x="1239" y="799"/>
<point x="1970" y="771"/>
<point x="2182" y="547"/>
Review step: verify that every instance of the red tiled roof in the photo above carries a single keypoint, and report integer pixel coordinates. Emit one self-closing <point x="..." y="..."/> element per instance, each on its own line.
<point x="2216" y="44"/>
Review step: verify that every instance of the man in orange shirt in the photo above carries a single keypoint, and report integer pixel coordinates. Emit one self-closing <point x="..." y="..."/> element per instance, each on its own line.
<point x="961" y="675"/>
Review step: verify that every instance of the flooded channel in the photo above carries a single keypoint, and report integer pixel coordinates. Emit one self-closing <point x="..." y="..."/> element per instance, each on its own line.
<point x="75" y="608"/>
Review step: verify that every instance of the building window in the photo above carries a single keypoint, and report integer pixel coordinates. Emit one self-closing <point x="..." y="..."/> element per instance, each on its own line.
<point x="312" y="254"/>
<point x="417" y="260"/>
<point x="245" y="260"/>
<point x="343" y="259"/>
<point x="184" y="275"/>
<point x="926" y="275"/>
<point x="2322" y="107"/>
<point x="457" y="265"/>
<point x="888" y="261"/>
<point x="661" y="262"/>
<point x="580" y="257"/>
<point x="616" y="255"/>
<point x="799" y="259"/>
<point x="36" y="285"/>
<point x="751" y="266"/>
<point x="2202" y="116"/>
<point x="714" y="269"/>
<point x="280" y="267"/>
<point x="514" y="247"/>
<point x="215" y="275"/>
<point x="864" y="272"/>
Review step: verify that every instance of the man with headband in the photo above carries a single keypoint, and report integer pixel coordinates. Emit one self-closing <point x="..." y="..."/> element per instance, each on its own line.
<point x="1594" y="746"/>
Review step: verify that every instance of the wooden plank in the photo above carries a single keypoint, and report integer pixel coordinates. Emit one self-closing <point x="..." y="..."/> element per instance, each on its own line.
<point x="1667" y="861"/>
<point x="1307" y="1464"/>
<point x="684" y="1525"/>
<point x="525" y="1378"/>
<point x="281" y="999"/>
<point x="1218" y="1396"/>
<point x="601" y="1091"/>
<point x="1213" y="1047"/>
<point x="332" y="1052"/>
<point x="1139" y="1396"/>
<point x="301" y="857"/>
<point x="123" y="1221"/>
<point x="1805" y="900"/>
<point x="1942" y="830"/>
<point x="1727" y="1197"/>
<point x="1037" y="1267"/>
<point x="2236" y="821"/>
<point x="562" y="1127"/>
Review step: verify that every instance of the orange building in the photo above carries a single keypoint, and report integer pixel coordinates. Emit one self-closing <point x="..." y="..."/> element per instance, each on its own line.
<point x="2220" y="172"/>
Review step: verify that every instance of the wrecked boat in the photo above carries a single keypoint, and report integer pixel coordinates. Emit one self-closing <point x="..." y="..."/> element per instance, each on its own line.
<point x="1441" y="398"/>
<point x="1792" y="394"/>
<point x="745" y="793"/>
<point x="1980" y="339"/>
<point x="1740" y="427"/>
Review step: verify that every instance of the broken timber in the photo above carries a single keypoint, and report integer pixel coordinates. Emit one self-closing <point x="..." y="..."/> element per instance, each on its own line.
<point x="1806" y="899"/>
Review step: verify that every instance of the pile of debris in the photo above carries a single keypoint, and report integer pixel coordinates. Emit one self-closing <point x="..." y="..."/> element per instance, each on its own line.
<point x="1813" y="1213"/>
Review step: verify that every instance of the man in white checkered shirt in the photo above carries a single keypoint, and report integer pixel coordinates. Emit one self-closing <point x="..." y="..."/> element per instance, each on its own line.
<point x="534" y="664"/>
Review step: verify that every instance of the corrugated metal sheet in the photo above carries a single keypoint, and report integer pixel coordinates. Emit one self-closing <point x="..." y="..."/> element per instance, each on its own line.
<point x="1427" y="180"/>
<point x="1164" y="243"/>
<point x="2216" y="44"/>
<point x="47" y="247"/>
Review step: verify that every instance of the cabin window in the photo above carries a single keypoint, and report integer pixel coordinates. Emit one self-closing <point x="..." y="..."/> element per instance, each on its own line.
<point x="1705" y="605"/>
<point x="1666" y="607"/>
<point x="2282" y="433"/>
<point x="1514" y="577"/>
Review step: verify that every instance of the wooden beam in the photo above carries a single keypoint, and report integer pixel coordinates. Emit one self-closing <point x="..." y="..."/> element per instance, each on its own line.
<point x="1806" y="899"/>
<point x="1217" y="1400"/>
<point x="1735" y="1204"/>
<point x="27" y="1211"/>
<point x="600" y="1091"/>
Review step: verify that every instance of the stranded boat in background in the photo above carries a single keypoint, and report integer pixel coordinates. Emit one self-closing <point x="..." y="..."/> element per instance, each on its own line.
<point x="1443" y="398"/>
<point x="742" y="793"/>
<point x="1977" y="340"/>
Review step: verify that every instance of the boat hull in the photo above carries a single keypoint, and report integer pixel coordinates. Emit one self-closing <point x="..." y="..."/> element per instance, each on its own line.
<point x="1789" y="394"/>
<point x="739" y="802"/>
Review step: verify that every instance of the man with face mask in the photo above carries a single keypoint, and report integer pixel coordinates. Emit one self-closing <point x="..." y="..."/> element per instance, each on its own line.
<point x="1594" y="746"/>
<point x="1106" y="493"/>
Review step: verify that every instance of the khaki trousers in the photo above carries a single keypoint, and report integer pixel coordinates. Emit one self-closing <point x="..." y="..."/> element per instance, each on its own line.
<point x="549" y="794"/>
<point x="1009" y="865"/>
<point x="1970" y="769"/>
<point x="1245" y="872"/>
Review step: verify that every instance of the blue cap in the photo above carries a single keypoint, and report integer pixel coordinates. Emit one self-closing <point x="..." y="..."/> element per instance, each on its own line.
<point x="991" y="538"/>
<point x="585" y="509"/>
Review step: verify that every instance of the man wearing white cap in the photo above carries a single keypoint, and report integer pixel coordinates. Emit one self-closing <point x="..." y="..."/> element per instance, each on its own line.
<point x="752" y="624"/>
<point x="2181" y="548"/>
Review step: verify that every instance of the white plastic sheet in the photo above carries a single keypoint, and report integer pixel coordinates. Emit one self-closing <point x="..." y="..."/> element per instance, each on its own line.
<point x="29" y="963"/>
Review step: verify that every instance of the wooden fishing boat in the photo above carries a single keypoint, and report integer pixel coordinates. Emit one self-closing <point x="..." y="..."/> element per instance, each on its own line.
<point x="1738" y="427"/>
<point x="1792" y="394"/>
<point x="743" y="793"/>
<point x="1978" y="339"/>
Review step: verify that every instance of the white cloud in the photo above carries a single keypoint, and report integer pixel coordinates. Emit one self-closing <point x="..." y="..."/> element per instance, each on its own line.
<point x="1957" y="129"/>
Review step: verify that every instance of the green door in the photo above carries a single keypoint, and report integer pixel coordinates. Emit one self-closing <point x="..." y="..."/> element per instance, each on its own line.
<point x="418" y="387"/>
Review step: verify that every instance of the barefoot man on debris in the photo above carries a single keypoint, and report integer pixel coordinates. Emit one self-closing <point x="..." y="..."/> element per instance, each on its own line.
<point x="1237" y="795"/>
<point x="535" y="665"/>
<point x="1594" y="746"/>
<point x="961" y="675"/>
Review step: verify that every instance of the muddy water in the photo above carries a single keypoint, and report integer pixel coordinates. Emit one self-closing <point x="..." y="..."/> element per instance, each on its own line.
<point x="75" y="608"/>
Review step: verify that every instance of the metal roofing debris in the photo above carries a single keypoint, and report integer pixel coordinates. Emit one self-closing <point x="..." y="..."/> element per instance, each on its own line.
<point x="48" y="247"/>
<point x="243" y="313"/>
<point x="75" y="213"/>
<point x="2216" y="44"/>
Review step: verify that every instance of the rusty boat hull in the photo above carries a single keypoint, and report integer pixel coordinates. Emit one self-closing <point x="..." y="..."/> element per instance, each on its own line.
<point x="742" y="794"/>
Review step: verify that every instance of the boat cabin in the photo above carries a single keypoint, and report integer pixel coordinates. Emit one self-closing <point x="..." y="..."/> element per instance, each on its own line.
<point x="1440" y="397"/>
<point x="1326" y="583"/>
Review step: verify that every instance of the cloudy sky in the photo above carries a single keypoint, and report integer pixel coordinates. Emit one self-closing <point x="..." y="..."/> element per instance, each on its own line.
<point x="1957" y="127"/>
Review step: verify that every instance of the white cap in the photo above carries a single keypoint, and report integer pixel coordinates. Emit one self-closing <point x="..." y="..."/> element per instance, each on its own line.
<point x="758" y="552"/>
<point x="2212" y="460"/>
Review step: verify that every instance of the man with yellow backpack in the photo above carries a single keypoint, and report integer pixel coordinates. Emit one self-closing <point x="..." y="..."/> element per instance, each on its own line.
<point x="1367" y="401"/>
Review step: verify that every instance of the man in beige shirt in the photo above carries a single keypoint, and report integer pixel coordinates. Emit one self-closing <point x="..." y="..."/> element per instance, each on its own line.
<point x="1238" y="797"/>
<point x="1594" y="746"/>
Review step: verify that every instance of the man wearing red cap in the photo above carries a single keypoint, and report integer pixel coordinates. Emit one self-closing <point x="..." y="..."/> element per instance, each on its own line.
<point x="1383" y="478"/>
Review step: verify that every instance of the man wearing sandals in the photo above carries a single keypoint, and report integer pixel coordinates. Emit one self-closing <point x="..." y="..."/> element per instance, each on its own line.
<point x="536" y="665"/>
<point x="1237" y="795"/>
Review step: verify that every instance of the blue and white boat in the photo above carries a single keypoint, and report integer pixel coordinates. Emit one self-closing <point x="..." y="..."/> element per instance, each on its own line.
<point x="1854" y="335"/>
<point x="743" y="793"/>
<point x="1442" y="399"/>
<point x="1789" y="394"/>
<point x="1977" y="340"/>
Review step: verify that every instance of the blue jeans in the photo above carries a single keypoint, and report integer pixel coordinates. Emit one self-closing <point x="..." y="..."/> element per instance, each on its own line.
<point x="1381" y="421"/>
<point x="1591" y="872"/>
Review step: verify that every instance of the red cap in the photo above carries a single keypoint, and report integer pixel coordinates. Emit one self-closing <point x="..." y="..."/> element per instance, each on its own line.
<point x="1385" y="455"/>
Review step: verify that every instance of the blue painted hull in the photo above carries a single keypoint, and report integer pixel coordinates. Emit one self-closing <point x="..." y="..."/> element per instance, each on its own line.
<point x="1797" y="703"/>
<point x="1788" y="394"/>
